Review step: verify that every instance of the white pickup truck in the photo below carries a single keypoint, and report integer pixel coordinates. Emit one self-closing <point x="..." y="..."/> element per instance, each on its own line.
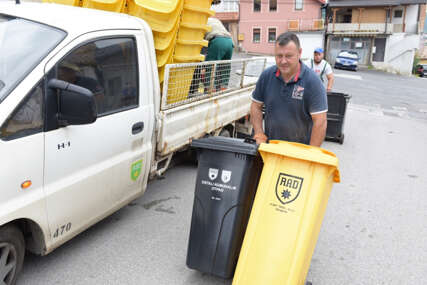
<point x="84" y="121"/>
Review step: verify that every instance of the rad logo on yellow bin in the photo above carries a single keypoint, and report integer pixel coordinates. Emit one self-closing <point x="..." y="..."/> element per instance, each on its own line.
<point x="288" y="187"/>
<point x="135" y="170"/>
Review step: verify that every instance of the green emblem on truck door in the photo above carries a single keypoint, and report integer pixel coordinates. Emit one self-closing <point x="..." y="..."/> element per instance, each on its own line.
<point x="135" y="170"/>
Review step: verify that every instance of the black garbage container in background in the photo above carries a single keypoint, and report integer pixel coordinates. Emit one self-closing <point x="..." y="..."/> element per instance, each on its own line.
<point x="337" y="106"/>
<point x="227" y="178"/>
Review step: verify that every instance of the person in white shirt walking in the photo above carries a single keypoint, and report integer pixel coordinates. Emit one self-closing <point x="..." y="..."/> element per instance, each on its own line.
<point x="322" y="68"/>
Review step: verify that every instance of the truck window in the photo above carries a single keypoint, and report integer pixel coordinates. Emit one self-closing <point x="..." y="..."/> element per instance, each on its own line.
<point x="27" y="119"/>
<point x="23" y="45"/>
<point x="108" y="68"/>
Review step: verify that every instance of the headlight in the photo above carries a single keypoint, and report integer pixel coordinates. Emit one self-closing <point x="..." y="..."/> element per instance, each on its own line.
<point x="338" y="60"/>
<point x="355" y="63"/>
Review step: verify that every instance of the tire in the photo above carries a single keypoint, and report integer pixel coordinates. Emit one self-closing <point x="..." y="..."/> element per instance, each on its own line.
<point x="12" y="251"/>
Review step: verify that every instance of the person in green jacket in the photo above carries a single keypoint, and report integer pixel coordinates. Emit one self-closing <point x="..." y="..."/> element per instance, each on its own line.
<point x="220" y="48"/>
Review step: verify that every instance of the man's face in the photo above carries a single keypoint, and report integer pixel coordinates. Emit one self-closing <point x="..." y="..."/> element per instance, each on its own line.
<point x="318" y="57"/>
<point x="287" y="58"/>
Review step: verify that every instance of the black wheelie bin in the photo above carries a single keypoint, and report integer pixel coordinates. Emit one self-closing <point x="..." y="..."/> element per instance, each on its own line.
<point x="227" y="178"/>
<point x="337" y="106"/>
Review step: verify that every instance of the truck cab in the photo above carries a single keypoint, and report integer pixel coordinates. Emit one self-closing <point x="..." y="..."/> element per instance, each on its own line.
<point x="77" y="91"/>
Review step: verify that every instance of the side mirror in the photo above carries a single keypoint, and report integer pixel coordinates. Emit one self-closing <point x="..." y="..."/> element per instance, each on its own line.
<point x="76" y="105"/>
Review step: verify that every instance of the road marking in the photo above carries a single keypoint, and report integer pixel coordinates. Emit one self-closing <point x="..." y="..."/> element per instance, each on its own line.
<point x="349" y="76"/>
<point x="399" y="108"/>
<point x="373" y="109"/>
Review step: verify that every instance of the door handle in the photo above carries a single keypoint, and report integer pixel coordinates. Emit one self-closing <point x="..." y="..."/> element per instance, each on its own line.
<point x="137" y="128"/>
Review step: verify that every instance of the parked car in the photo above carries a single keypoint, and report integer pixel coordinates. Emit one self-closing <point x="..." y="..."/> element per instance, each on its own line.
<point x="347" y="60"/>
<point x="421" y="70"/>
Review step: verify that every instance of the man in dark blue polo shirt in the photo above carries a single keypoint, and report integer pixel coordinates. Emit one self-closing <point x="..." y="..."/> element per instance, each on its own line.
<point x="294" y="98"/>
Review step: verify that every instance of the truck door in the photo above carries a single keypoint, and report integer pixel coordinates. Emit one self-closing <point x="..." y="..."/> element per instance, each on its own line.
<point x="91" y="170"/>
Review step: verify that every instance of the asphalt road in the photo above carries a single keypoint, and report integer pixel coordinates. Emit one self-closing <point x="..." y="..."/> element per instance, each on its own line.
<point x="394" y="95"/>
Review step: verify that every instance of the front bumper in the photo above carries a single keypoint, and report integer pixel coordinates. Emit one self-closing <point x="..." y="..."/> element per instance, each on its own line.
<point x="345" y="66"/>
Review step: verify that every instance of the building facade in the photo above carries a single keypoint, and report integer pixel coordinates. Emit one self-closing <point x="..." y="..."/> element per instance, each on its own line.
<point x="422" y="52"/>
<point x="261" y="21"/>
<point x="385" y="33"/>
<point x="228" y="12"/>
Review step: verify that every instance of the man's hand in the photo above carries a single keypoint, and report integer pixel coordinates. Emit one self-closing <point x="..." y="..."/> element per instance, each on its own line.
<point x="260" y="138"/>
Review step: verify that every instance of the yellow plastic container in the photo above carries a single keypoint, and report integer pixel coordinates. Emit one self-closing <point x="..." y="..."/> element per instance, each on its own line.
<point x="76" y="3"/>
<point x="199" y="3"/>
<point x="163" y="40"/>
<point x="189" y="48"/>
<point x="165" y="56"/>
<point x="195" y="14"/>
<point x="287" y="214"/>
<point x="106" y="5"/>
<point x="160" y="15"/>
<point x="188" y="58"/>
<point x="179" y="84"/>
<point x="180" y="79"/>
<point x="189" y="31"/>
<point x="161" y="68"/>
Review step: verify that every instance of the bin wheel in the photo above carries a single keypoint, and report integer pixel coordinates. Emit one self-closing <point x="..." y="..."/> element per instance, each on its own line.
<point x="341" y="139"/>
<point x="308" y="283"/>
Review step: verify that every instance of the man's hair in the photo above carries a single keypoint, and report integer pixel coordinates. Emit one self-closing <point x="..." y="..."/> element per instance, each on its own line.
<point x="285" y="38"/>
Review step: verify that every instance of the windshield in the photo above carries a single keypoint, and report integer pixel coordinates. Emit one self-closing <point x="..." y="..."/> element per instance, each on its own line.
<point x="348" y="55"/>
<point x="23" y="44"/>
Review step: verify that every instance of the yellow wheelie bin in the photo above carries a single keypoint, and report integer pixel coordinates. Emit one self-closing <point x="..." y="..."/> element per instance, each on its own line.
<point x="287" y="214"/>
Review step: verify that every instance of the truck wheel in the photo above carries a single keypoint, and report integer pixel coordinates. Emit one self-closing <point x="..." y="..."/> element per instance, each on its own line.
<point x="12" y="250"/>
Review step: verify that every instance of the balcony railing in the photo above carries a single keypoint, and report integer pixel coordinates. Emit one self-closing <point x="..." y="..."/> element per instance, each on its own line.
<point x="226" y="6"/>
<point x="362" y="28"/>
<point x="306" y="25"/>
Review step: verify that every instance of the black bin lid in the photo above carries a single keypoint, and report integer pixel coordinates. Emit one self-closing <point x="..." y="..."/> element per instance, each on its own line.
<point x="244" y="146"/>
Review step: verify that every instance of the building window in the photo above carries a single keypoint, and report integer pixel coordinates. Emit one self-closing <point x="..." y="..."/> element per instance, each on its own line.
<point x="271" y="35"/>
<point x="299" y="4"/>
<point x="273" y="5"/>
<point x="257" y="5"/>
<point x="256" y="35"/>
<point x="398" y="13"/>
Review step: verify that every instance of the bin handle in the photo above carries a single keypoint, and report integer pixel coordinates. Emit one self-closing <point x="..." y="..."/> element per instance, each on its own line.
<point x="337" y="176"/>
<point x="305" y="146"/>
<point x="249" y="140"/>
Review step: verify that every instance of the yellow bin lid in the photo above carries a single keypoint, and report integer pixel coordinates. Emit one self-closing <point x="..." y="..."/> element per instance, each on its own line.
<point x="302" y="152"/>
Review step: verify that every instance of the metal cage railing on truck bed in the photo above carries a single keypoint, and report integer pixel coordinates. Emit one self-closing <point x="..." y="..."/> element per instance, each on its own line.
<point x="188" y="82"/>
